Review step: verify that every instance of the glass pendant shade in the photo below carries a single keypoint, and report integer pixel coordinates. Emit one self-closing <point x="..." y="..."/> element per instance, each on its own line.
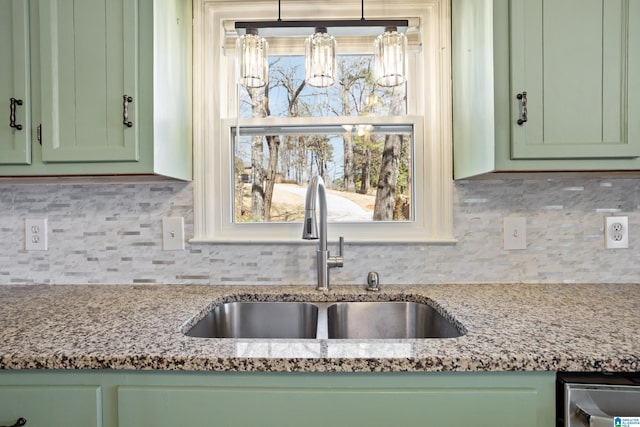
<point x="390" y="58"/>
<point x="253" y="59"/>
<point x="320" y="58"/>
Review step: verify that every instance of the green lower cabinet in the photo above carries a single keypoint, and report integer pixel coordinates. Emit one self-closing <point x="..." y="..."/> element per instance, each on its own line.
<point x="238" y="399"/>
<point x="51" y="406"/>
<point x="336" y="407"/>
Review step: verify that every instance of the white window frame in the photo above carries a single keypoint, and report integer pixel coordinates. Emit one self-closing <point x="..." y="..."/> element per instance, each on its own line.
<point x="213" y="219"/>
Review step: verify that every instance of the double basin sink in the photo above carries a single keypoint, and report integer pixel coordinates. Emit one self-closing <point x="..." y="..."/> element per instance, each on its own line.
<point x="321" y="320"/>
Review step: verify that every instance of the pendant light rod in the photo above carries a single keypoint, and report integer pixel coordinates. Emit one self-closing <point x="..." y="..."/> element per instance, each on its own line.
<point x="328" y="23"/>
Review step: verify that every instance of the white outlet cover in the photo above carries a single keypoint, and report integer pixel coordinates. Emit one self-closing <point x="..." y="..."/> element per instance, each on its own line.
<point x="173" y="233"/>
<point x="514" y="233"/>
<point x="35" y="234"/>
<point x="616" y="226"/>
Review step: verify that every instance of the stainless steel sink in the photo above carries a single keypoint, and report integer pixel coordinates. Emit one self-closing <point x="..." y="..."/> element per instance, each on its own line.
<point x="380" y="320"/>
<point x="324" y="320"/>
<point x="258" y="320"/>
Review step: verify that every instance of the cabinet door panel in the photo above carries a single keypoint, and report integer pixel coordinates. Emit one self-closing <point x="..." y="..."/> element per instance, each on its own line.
<point x="282" y="407"/>
<point x="15" y="145"/>
<point x="572" y="59"/>
<point x="51" y="406"/>
<point x="88" y="64"/>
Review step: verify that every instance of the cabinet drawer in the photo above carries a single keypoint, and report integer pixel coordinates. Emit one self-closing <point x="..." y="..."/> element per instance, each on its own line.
<point x="51" y="406"/>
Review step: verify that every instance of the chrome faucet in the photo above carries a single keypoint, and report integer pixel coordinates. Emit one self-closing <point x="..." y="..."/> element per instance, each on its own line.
<point x="310" y="231"/>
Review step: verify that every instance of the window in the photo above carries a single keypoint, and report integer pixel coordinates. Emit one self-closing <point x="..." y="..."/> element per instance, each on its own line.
<point x="304" y="149"/>
<point x="317" y="132"/>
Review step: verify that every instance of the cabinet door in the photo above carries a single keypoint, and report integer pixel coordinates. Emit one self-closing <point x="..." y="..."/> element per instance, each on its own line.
<point x="15" y="142"/>
<point x="89" y="64"/>
<point x="576" y="61"/>
<point x="336" y="407"/>
<point x="51" y="406"/>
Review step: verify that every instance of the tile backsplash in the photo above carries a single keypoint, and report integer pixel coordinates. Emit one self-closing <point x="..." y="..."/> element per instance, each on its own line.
<point x="102" y="232"/>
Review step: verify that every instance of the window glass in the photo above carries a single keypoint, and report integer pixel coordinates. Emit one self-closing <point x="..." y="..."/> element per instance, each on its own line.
<point x="302" y="151"/>
<point x="355" y="93"/>
<point x="272" y="164"/>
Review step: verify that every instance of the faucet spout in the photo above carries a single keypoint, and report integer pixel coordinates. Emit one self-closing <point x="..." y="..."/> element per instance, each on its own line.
<point x="316" y="192"/>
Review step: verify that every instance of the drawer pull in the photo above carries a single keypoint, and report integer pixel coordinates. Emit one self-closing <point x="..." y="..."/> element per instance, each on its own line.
<point x="21" y="421"/>
<point x="12" y="113"/>
<point x="523" y="108"/>
<point x="126" y="99"/>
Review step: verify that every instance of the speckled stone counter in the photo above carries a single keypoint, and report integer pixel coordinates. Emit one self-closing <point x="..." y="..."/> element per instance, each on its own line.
<point x="520" y="327"/>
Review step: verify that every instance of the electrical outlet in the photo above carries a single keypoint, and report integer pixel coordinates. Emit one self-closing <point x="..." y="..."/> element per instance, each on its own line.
<point x="514" y="232"/>
<point x="173" y="233"/>
<point x="35" y="234"/>
<point x="616" y="232"/>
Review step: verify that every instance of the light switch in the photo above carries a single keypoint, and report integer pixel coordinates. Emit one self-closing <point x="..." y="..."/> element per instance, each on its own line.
<point x="173" y="233"/>
<point x="514" y="232"/>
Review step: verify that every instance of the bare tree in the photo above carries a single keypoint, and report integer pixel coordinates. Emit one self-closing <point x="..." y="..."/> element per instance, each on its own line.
<point x="264" y="179"/>
<point x="365" y="173"/>
<point x="259" y="108"/>
<point x="238" y="169"/>
<point x="286" y="78"/>
<point x="390" y="167"/>
<point x="352" y="73"/>
<point x="273" y="142"/>
<point x="388" y="180"/>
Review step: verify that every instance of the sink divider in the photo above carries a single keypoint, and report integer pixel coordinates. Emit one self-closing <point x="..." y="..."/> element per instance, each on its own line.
<point x="322" y="329"/>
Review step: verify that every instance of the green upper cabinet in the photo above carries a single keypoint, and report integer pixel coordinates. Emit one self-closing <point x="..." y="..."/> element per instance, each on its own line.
<point x="569" y="60"/>
<point x="88" y="65"/>
<point x="15" y="96"/>
<point x="545" y="85"/>
<point x="111" y="88"/>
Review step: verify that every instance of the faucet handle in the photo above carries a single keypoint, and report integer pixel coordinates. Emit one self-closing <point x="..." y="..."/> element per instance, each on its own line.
<point x="337" y="261"/>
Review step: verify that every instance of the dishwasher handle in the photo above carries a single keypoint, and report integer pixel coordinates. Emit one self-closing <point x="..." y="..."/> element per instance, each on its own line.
<point x="592" y="420"/>
<point x="595" y="420"/>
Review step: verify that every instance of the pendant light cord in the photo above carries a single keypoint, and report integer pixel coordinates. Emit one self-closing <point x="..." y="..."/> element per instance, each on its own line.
<point x="361" y="11"/>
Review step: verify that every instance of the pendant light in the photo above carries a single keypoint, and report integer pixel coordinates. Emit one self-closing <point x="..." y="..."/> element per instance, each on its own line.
<point x="390" y="67"/>
<point x="253" y="59"/>
<point x="320" y="58"/>
<point x="390" y="58"/>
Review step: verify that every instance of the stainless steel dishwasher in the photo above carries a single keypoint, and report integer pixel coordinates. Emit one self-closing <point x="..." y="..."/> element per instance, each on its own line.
<point x="598" y="400"/>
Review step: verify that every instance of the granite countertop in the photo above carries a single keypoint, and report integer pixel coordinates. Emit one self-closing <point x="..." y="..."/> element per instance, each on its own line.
<point x="514" y="327"/>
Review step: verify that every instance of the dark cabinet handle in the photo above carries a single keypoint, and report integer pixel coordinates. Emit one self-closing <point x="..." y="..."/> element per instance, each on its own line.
<point x="12" y="113"/>
<point x="126" y="99"/>
<point x="523" y="108"/>
<point x="20" y="422"/>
